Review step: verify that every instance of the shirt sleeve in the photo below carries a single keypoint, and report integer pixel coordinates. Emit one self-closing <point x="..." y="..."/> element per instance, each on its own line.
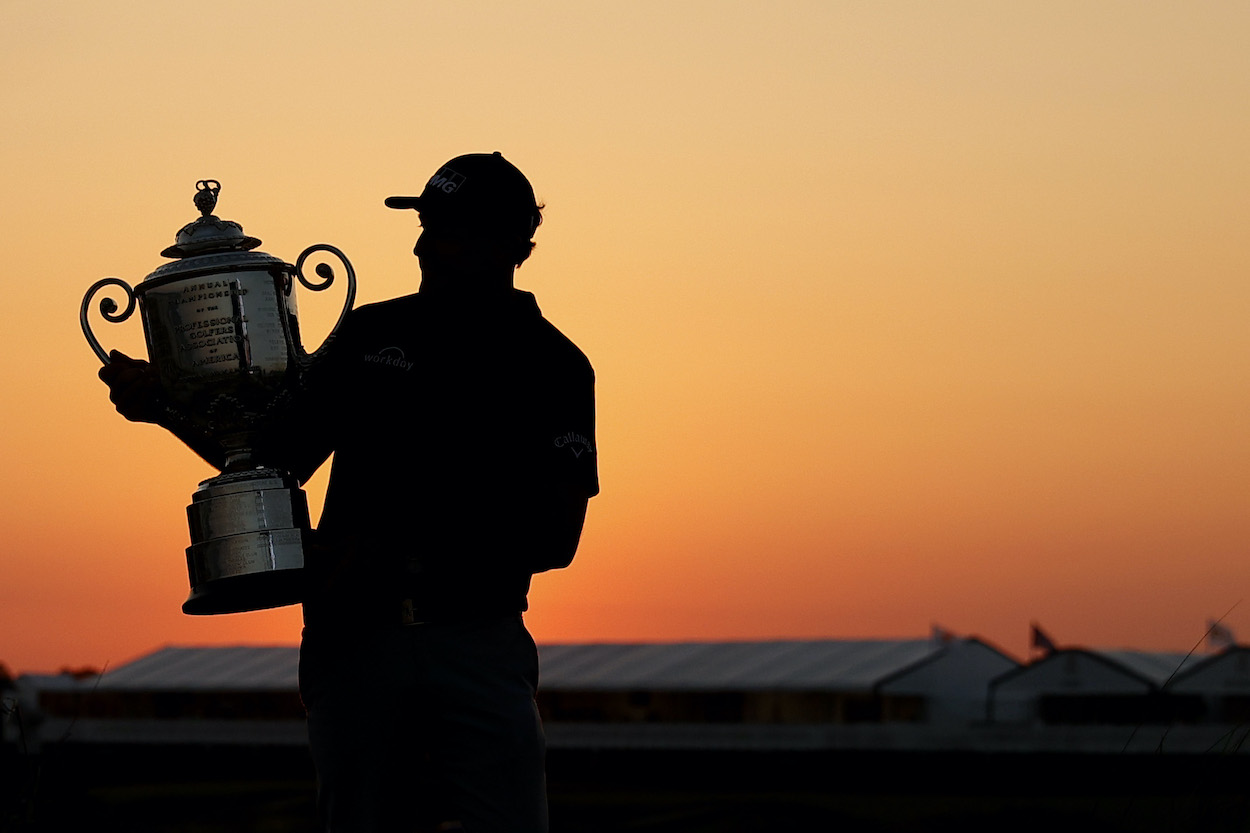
<point x="571" y="448"/>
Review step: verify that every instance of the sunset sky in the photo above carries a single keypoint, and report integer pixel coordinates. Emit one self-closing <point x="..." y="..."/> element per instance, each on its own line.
<point x="902" y="313"/>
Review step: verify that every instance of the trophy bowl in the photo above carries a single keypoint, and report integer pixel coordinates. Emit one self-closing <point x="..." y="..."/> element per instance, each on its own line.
<point x="222" y="329"/>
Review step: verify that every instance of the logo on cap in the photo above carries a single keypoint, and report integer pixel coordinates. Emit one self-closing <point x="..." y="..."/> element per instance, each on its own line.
<point x="446" y="180"/>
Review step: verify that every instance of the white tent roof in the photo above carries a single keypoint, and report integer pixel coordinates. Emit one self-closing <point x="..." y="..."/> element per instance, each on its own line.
<point x="1226" y="673"/>
<point x="230" y="668"/>
<point x="1084" y="671"/>
<point x="842" y="665"/>
<point x="796" y="665"/>
<point x="1159" y="668"/>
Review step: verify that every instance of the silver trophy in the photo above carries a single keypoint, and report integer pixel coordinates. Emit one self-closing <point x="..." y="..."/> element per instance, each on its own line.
<point x="222" y="330"/>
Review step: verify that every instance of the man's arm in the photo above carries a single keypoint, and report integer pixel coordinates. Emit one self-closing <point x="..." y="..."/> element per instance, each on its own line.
<point x="298" y="444"/>
<point x="553" y="523"/>
<point x="561" y="481"/>
<point x="135" y="390"/>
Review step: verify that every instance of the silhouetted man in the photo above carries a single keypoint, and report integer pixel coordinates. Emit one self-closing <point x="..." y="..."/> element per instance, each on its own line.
<point x="462" y="428"/>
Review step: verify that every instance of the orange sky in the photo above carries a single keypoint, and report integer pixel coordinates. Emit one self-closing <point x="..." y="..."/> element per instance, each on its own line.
<point x="902" y="313"/>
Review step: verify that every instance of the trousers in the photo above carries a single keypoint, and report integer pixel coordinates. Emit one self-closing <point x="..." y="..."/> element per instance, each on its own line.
<point x="423" y="726"/>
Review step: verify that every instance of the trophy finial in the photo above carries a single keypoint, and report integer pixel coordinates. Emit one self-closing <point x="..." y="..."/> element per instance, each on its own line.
<point x="209" y="234"/>
<point x="206" y="191"/>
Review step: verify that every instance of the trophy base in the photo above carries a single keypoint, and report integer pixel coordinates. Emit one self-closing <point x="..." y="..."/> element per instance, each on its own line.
<point x="249" y="533"/>
<point x="259" y="591"/>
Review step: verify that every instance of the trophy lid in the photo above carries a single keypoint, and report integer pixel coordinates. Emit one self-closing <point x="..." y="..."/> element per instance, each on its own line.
<point x="209" y="234"/>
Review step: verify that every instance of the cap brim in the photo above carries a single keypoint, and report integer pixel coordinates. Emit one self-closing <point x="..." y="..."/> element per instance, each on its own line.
<point x="403" y="202"/>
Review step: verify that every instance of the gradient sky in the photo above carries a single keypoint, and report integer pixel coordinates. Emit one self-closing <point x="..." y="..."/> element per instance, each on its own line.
<point x="903" y="313"/>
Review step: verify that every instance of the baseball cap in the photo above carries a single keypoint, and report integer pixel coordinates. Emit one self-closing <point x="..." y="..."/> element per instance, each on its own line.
<point x="479" y="189"/>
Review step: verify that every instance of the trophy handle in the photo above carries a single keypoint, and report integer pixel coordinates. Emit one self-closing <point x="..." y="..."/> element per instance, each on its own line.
<point x="108" y="309"/>
<point x="326" y="273"/>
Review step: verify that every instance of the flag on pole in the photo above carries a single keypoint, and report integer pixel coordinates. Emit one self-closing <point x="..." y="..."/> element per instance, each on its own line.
<point x="1039" y="641"/>
<point x="1219" y="636"/>
<point x="939" y="635"/>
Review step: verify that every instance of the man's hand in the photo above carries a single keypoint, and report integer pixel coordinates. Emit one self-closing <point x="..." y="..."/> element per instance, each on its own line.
<point x="134" y="387"/>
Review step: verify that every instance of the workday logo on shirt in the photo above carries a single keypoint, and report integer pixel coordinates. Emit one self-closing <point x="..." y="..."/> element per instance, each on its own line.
<point x="389" y="357"/>
<point x="579" y="444"/>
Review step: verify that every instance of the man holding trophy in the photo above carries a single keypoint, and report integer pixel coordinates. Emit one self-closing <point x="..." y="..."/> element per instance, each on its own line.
<point x="461" y="425"/>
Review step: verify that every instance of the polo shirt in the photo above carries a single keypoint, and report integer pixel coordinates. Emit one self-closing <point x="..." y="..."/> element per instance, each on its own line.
<point x="449" y="425"/>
